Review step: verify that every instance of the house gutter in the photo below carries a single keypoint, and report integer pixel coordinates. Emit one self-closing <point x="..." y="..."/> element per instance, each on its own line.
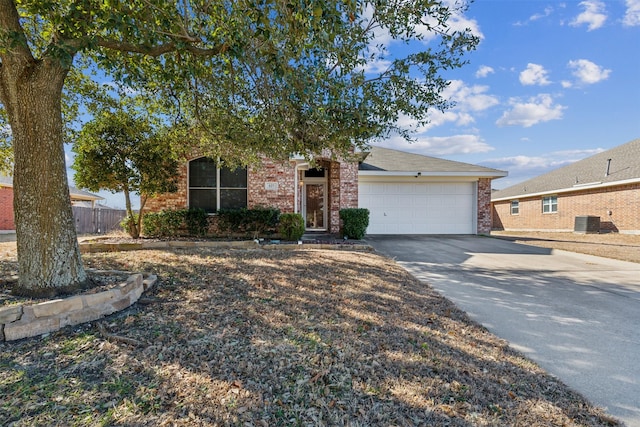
<point x="492" y="174"/>
<point x="572" y="189"/>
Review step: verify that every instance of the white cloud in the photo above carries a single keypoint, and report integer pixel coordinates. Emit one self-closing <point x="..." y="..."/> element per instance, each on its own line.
<point x="469" y="98"/>
<point x="548" y="11"/>
<point x="594" y="15"/>
<point x="484" y="71"/>
<point x="566" y="84"/>
<point x="439" y="146"/>
<point x="632" y="15"/>
<point x="534" y="74"/>
<point x="588" y="72"/>
<point x="536" y="110"/>
<point x="376" y="67"/>
<point x="550" y="160"/>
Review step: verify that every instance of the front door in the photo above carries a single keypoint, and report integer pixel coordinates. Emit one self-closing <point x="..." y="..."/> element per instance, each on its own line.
<point x="314" y="209"/>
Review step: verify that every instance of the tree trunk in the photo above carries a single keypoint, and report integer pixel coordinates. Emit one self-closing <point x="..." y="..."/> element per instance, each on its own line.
<point x="133" y="223"/>
<point x="48" y="252"/>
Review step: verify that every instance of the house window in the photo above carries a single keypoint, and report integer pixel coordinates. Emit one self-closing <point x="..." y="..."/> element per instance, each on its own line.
<point x="515" y="207"/>
<point x="212" y="188"/>
<point x="550" y="204"/>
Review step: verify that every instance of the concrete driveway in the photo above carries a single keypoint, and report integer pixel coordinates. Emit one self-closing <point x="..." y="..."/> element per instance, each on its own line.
<point x="577" y="316"/>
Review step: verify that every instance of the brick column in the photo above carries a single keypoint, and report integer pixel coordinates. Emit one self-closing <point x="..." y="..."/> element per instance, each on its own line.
<point x="484" y="206"/>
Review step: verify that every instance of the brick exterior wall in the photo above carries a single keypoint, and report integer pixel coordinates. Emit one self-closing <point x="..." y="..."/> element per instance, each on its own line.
<point x="6" y="209"/>
<point x="177" y="200"/>
<point x="342" y="189"/>
<point x="281" y="173"/>
<point x="484" y="206"/>
<point x="623" y="202"/>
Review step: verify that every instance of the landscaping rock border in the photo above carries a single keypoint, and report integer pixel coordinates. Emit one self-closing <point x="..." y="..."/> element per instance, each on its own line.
<point x="244" y="244"/>
<point x="30" y="320"/>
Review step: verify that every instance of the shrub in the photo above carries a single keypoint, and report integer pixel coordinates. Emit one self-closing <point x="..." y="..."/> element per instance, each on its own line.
<point x="354" y="222"/>
<point x="291" y="226"/>
<point x="260" y="220"/>
<point x="197" y="221"/>
<point x="165" y="223"/>
<point x="252" y="222"/>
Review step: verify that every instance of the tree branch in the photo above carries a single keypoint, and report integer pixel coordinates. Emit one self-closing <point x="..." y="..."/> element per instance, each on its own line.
<point x="158" y="50"/>
<point x="10" y="27"/>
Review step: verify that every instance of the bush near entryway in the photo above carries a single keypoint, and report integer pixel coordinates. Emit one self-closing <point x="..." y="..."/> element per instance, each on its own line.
<point x="253" y="223"/>
<point x="291" y="226"/>
<point x="354" y="222"/>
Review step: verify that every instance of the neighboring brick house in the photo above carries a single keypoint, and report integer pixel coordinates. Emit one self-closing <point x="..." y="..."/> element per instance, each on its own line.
<point x="78" y="197"/>
<point x="405" y="193"/>
<point x="606" y="185"/>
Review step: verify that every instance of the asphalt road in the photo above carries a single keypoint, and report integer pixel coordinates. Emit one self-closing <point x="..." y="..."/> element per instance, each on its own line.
<point x="577" y="316"/>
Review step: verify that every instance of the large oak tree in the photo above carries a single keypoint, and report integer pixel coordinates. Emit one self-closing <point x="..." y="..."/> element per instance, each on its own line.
<point x="257" y="76"/>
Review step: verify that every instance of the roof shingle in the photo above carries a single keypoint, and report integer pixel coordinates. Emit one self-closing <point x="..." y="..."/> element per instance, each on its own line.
<point x="388" y="160"/>
<point x="594" y="170"/>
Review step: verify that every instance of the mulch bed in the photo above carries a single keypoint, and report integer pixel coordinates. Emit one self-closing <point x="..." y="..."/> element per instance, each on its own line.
<point x="267" y="338"/>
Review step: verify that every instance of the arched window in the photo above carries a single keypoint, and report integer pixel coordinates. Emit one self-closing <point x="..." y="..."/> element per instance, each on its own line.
<point x="212" y="188"/>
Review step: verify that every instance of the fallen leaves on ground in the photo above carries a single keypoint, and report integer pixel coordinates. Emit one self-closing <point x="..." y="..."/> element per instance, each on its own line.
<point x="268" y="338"/>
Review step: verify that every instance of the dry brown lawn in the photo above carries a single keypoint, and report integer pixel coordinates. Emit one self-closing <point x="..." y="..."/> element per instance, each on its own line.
<point x="277" y="338"/>
<point x="625" y="247"/>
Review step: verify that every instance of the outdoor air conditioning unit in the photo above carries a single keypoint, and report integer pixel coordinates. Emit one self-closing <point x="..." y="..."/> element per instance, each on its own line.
<point x="587" y="224"/>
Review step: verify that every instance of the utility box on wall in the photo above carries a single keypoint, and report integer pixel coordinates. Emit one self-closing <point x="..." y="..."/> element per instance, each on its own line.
<point x="587" y="224"/>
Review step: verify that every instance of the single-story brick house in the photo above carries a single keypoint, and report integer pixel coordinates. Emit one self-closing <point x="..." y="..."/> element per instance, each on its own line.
<point x="78" y="198"/>
<point x="405" y="193"/>
<point x="606" y="185"/>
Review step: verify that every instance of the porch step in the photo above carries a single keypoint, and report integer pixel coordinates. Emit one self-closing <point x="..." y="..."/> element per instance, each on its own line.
<point x="319" y="236"/>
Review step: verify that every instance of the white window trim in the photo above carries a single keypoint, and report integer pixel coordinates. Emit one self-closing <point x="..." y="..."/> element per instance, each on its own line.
<point x="511" y="207"/>
<point x="550" y="204"/>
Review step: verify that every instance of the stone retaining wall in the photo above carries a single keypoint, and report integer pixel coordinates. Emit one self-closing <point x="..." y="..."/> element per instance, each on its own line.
<point x="24" y="320"/>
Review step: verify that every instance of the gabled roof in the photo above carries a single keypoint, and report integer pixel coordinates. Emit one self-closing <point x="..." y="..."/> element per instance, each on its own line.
<point x="593" y="172"/>
<point x="385" y="161"/>
<point x="75" y="193"/>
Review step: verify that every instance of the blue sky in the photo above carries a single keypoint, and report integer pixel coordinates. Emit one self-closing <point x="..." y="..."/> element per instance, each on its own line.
<point x="551" y="82"/>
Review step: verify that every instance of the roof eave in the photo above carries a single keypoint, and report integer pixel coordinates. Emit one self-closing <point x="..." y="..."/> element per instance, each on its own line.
<point x="488" y="174"/>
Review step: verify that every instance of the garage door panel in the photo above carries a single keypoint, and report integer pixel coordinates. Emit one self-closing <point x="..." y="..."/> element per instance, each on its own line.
<point x="419" y="208"/>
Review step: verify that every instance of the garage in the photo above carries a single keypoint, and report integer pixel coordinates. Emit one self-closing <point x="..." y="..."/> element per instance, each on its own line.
<point x="408" y="193"/>
<point x="419" y="208"/>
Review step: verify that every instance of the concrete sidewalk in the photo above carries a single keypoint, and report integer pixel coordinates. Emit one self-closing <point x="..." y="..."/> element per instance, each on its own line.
<point x="577" y="316"/>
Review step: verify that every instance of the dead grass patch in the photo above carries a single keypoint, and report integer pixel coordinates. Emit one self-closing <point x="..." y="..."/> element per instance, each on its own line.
<point x="268" y="338"/>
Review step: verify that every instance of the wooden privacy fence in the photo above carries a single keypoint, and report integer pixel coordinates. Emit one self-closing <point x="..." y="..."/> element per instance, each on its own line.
<point x="97" y="220"/>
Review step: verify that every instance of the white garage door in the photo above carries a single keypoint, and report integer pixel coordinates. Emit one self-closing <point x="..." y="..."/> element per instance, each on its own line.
<point x="419" y="208"/>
